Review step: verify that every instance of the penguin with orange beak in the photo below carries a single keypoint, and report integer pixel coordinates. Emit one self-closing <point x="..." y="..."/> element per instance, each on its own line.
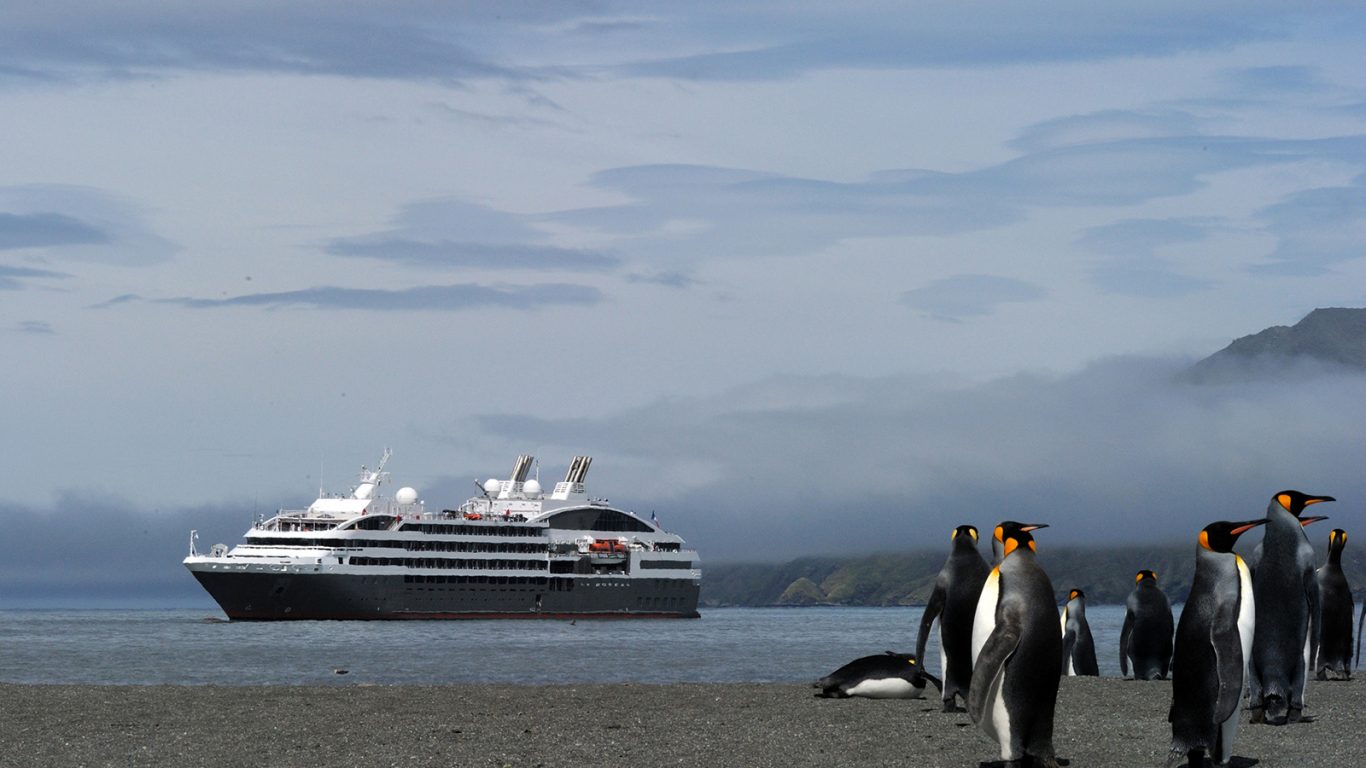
<point x="1213" y="644"/>
<point x="1016" y="648"/>
<point x="1287" y="639"/>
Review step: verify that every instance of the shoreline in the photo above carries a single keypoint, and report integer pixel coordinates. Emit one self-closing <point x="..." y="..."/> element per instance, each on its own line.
<point x="1100" y="722"/>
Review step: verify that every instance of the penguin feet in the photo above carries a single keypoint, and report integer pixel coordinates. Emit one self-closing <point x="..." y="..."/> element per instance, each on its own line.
<point x="1194" y="758"/>
<point x="1277" y="710"/>
<point x="952" y="706"/>
<point x="1258" y="715"/>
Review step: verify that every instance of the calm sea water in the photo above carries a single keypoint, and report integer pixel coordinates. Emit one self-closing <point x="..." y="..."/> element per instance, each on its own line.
<point x="725" y="645"/>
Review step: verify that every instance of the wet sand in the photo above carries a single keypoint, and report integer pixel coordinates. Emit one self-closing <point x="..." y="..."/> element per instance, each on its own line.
<point x="1101" y="722"/>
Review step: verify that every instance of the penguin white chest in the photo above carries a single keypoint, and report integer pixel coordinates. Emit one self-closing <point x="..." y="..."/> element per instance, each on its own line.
<point x="885" y="688"/>
<point x="984" y="621"/>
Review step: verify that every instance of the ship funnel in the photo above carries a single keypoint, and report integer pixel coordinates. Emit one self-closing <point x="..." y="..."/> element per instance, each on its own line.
<point x="519" y="472"/>
<point x="573" y="479"/>
<point x="578" y="469"/>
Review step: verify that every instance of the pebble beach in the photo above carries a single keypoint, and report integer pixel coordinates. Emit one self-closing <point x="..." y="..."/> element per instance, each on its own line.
<point x="1100" y="722"/>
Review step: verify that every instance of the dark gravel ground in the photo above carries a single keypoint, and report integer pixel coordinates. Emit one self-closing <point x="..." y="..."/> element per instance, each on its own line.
<point x="1100" y="722"/>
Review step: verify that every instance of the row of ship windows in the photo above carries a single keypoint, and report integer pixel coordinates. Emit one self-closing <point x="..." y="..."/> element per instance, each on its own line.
<point x="414" y="546"/>
<point x="659" y="602"/>
<point x="475" y="530"/>
<point x="438" y="562"/>
<point x="552" y="585"/>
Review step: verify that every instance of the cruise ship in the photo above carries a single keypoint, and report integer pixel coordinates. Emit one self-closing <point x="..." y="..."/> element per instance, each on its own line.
<point x="512" y="551"/>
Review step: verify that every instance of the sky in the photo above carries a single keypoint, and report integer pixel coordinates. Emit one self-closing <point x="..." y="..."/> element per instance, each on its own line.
<point x="802" y="277"/>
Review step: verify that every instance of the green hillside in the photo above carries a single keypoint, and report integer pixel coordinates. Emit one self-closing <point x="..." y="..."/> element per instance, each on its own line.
<point x="1106" y="575"/>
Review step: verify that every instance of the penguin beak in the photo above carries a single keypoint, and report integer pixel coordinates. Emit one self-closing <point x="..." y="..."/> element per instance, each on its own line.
<point x="1033" y="527"/>
<point x="1317" y="499"/>
<point x="1241" y="528"/>
<point x="1312" y="519"/>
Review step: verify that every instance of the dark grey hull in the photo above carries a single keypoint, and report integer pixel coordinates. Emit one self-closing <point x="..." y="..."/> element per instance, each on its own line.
<point x="300" y="596"/>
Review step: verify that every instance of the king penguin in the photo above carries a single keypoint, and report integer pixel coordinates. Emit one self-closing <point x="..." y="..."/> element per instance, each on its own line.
<point x="1016" y="648"/>
<point x="1335" y="631"/>
<point x="888" y="676"/>
<point x="1146" y="637"/>
<point x="1287" y="638"/>
<point x="954" y="604"/>
<point x="1078" y="647"/>
<point x="1213" y="643"/>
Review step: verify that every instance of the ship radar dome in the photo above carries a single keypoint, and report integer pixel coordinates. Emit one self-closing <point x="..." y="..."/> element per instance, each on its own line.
<point x="531" y="488"/>
<point x="492" y="485"/>
<point x="406" y="495"/>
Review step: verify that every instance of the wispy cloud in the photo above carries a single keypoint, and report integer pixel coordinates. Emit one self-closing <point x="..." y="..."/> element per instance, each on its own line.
<point x="1316" y="229"/>
<point x="76" y="223"/>
<point x="38" y="230"/>
<point x="18" y="278"/>
<point x="35" y="328"/>
<point x="701" y="41"/>
<point x="450" y="254"/>
<point x="441" y="298"/>
<point x="1132" y="265"/>
<point x="964" y="296"/>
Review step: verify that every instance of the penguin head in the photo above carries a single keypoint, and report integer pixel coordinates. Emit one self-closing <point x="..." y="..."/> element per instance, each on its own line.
<point x="1075" y="594"/>
<point x="965" y="535"/>
<point x="1295" y="502"/>
<point x="1337" y="540"/>
<point x="1220" y="536"/>
<point x="1013" y="535"/>
<point x="1145" y="575"/>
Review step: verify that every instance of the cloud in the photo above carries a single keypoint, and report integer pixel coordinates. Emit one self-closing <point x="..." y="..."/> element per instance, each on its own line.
<point x="450" y="254"/>
<point x="35" y="328"/>
<point x="40" y="230"/>
<point x="677" y="280"/>
<point x="17" y="278"/>
<point x="1274" y="81"/>
<point x="1315" y="229"/>
<point x="1132" y="267"/>
<point x="461" y="42"/>
<point x="443" y="298"/>
<point x="1120" y="452"/>
<point x="729" y="43"/>
<point x="963" y="296"/>
<point x="677" y="212"/>
<point x="75" y="223"/>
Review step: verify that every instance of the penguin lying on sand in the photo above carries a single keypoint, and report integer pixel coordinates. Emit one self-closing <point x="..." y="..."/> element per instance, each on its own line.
<point x="886" y="676"/>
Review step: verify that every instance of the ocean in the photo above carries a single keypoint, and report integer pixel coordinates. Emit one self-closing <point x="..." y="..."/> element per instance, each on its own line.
<point x="196" y="647"/>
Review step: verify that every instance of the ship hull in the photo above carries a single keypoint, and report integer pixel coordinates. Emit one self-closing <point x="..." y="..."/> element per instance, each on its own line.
<point x="275" y="596"/>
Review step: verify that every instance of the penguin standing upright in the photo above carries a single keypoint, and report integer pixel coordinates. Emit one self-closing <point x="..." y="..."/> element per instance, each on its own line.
<point x="1146" y="637"/>
<point x="1213" y="641"/>
<point x="1016" y="647"/>
<point x="1078" y="647"/>
<point x="1335" y="630"/>
<point x="1287" y="638"/>
<point x="954" y="603"/>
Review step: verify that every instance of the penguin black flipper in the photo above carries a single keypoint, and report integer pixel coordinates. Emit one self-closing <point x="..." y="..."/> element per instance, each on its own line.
<point x="1311" y="590"/>
<point x="1125" y="637"/>
<point x="989" y="670"/>
<point x="1228" y="656"/>
<point x="932" y="611"/>
<point x="936" y="681"/>
<point x="1360" y="621"/>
